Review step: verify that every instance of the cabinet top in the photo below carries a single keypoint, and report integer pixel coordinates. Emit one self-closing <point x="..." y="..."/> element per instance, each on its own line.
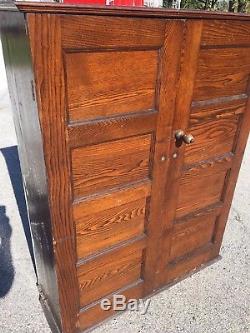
<point x="59" y="8"/>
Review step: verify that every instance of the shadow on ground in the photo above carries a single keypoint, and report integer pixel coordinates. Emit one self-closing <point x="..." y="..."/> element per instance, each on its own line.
<point x="6" y="267"/>
<point x="12" y="161"/>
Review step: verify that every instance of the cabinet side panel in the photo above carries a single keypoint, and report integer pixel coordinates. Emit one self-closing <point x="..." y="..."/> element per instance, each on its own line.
<point x="45" y="40"/>
<point x="20" y="81"/>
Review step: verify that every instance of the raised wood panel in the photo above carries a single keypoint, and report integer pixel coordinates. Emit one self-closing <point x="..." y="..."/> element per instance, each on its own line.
<point x="191" y="235"/>
<point x="210" y="166"/>
<point x="222" y="72"/>
<point x="212" y="210"/>
<point x="217" y="32"/>
<point x="106" y="221"/>
<point x="212" y="139"/>
<point x="101" y="167"/>
<point x="91" y="32"/>
<point x="101" y="84"/>
<point x="199" y="190"/>
<point x="110" y="272"/>
<point x="92" y="315"/>
<point x="217" y="111"/>
<point x="107" y="228"/>
<point x="178" y="270"/>
<point x="111" y="128"/>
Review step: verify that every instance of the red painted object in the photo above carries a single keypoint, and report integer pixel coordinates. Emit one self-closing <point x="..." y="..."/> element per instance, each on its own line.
<point x="130" y="3"/>
<point x="86" y="2"/>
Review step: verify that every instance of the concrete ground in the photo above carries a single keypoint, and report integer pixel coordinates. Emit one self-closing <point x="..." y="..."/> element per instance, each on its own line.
<point x="215" y="300"/>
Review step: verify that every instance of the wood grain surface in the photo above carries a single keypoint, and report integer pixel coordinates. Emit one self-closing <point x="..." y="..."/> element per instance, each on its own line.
<point x="216" y="111"/>
<point x="192" y="235"/>
<point x="101" y="84"/>
<point x="111" y="33"/>
<point x="108" y="220"/>
<point x="132" y="208"/>
<point x="202" y="176"/>
<point x="211" y="139"/>
<point x="103" y="166"/>
<point x="224" y="33"/>
<point x="110" y="272"/>
<point x="48" y="68"/>
<point x="111" y="128"/>
<point x="187" y="67"/>
<point x="213" y="82"/>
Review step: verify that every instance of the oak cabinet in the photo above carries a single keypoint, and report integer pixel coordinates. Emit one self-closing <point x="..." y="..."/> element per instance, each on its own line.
<point x="131" y="129"/>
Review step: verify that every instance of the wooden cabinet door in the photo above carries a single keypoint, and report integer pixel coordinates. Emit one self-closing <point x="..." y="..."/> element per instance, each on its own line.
<point x="131" y="208"/>
<point x="106" y="89"/>
<point x="213" y="105"/>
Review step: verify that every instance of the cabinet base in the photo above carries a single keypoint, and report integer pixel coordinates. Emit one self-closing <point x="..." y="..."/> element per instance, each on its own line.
<point x="196" y="270"/>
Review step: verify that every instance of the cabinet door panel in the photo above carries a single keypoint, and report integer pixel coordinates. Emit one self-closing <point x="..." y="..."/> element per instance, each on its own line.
<point x="199" y="191"/>
<point x="110" y="83"/>
<point x="214" y="138"/>
<point x="108" y="220"/>
<point x="213" y="82"/>
<point x="112" y="32"/>
<point x="191" y="235"/>
<point x="213" y="103"/>
<point x="223" y="33"/>
<point x="112" y="92"/>
<point x="111" y="164"/>
<point x="131" y="208"/>
<point x="203" y="113"/>
<point x="107" y="101"/>
<point x="109" y="272"/>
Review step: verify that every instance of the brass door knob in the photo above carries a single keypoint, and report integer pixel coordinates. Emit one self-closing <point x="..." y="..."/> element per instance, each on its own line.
<point x="188" y="138"/>
<point x="180" y="135"/>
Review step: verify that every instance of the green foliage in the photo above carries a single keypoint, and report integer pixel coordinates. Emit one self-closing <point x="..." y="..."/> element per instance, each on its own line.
<point x="238" y="6"/>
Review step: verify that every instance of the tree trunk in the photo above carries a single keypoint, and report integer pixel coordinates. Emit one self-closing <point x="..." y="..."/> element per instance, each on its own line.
<point x="231" y="6"/>
<point x="206" y="5"/>
<point x="214" y="2"/>
<point x="183" y="2"/>
<point x="241" y="6"/>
